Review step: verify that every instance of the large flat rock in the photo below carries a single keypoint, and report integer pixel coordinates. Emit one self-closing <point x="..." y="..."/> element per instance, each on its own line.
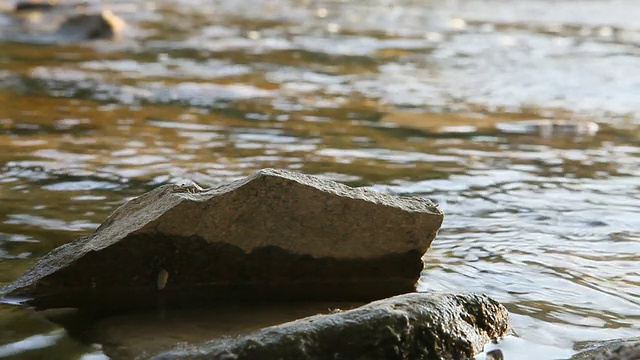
<point x="412" y="326"/>
<point x="275" y="235"/>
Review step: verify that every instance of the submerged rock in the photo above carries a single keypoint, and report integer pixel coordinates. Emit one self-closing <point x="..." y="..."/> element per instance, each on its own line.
<point x="275" y="235"/>
<point x="411" y="326"/>
<point x="132" y="335"/>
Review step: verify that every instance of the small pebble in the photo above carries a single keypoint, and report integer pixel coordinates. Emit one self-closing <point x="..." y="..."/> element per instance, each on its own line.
<point x="163" y="277"/>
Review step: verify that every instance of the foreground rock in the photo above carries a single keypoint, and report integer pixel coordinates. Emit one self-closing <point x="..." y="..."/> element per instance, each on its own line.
<point x="411" y="326"/>
<point x="275" y="235"/>
<point x="626" y="349"/>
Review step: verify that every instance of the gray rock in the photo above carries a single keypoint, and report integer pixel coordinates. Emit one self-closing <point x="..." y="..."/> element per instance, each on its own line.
<point x="411" y="326"/>
<point x="103" y="25"/>
<point x="625" y="349"/>
<point x="275" y="235"/>
<point x="59" y="24"/>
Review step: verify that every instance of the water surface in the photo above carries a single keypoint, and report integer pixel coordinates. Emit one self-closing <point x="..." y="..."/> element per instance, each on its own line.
<point x="444" y="99"/>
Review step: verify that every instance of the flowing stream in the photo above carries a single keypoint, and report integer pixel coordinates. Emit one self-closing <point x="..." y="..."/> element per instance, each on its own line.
<point x="520" y="118"/>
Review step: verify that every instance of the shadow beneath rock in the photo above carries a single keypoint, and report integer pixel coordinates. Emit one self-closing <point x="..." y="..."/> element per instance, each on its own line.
<point x="142" y="334"/>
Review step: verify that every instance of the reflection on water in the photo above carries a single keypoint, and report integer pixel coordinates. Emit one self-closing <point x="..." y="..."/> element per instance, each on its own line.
<point x="31" y="343"/>
<point x="158" y="330"/>
<point x="520" y="119"/>
<point x="511" y="348"/>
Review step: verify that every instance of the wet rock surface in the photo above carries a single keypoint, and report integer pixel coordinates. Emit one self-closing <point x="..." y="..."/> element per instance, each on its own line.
<point x="103" y="25"/>
<point x="50" y="22"/>
<point x="275" y="235"/>
<point x="624" y="349"/>
<point x="410" y="326"/>
<point x="34" y="5"/>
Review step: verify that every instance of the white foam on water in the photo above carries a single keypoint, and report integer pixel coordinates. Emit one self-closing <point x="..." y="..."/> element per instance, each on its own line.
<point x="31" y="343"/>
<point x="512" y="347"/>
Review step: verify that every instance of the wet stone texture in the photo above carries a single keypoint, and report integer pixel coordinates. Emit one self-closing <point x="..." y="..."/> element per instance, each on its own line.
<point x="625" y="349"/>
<point x="34" y="5"/>
<point x="274" y="235"/>
<point x="49" y="22"/>
<point x="410" y="326"/>
<point x="103" y="25"/>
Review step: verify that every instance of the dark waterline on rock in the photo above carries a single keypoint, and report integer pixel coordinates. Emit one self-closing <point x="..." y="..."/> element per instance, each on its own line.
<point x="414" y="98"/>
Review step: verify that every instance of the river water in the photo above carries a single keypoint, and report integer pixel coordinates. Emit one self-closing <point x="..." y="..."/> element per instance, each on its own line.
<point x="520" y="118"/>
